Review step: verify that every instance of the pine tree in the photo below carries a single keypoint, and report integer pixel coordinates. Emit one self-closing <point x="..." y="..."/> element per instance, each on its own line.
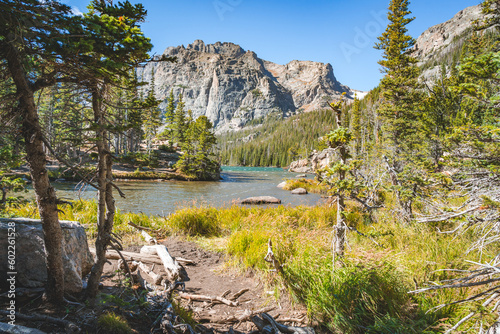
<point x="151" y="115"/>
<point x="169" y="116"/>
<point x="356" y="125"/>
<point x="399" y="110"/>
<point x="179" y="125"/>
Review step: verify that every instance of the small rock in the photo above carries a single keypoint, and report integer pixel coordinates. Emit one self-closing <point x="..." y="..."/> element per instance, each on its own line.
<point x="299" y="191"/>
<point x="301" y="176"/>
<point x="282" y="185"/>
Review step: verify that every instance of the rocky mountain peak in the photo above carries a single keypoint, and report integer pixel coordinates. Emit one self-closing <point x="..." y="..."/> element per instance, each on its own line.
<point x="232" y="86"/>
<point x="228" y="49"/>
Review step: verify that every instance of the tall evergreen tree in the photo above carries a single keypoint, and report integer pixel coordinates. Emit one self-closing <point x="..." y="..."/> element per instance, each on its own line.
<point x="179" y="125"/>
<point x="31" y="36"/>
<point x="151" y="115"/>
<point x="169" y="115"/>
<point x="399" y="109"/>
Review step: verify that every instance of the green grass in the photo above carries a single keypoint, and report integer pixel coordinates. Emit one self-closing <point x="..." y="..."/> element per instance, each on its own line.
<point x="367" y="295"/>
<point x="311" y="186"/>
<point x="112" y="323"/>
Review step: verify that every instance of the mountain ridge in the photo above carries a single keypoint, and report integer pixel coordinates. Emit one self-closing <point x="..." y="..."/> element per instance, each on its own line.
<point x="232" y="86"/>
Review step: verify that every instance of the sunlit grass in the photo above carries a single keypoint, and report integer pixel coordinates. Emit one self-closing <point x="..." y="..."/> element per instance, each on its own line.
<point x="367" y="295"/>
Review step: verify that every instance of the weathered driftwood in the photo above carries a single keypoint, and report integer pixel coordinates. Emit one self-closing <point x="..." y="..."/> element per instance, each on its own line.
<point x="214" y="299"/>
<point x="266" y="324"/>
<point x="245" y="316"/>
<point x="130" y="256"/>
<point x="155" y="277"/>
<point x="149" y="239"/>
<point x="238" y="294"/>
<point x="171" y="266"/>
<point x="142" y="228"/>
<point x="151" y="250"/>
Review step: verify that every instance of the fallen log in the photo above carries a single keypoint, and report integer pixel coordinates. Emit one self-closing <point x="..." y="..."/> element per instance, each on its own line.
<point x="171" y="266"/>
<point x="210" y="299"/>
<point x="130" y="256"/>
<point x="238" y="294"/>
<point x="266" y="324"/>
<point x="149" y="239"/>
<point x="151" y="250"/>
<point x="246" y="316"/>
<point x="142" y="228"/>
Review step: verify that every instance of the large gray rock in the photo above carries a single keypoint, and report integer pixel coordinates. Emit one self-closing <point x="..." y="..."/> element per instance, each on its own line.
<point x="17" y="329"/>
<point x="261" y="200"/>
<point x="300" y="166"/>
<point x="30" y="254"/>
<point x="232" y="86"/>
<point x="299" y="191"/>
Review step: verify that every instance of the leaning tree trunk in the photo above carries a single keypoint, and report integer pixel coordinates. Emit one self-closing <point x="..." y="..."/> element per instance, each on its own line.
<point x="45" y="194"/>
<point x="105" y="205"/>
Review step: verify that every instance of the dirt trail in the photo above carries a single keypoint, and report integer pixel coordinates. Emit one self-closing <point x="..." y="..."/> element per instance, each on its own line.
<point x="208" y="278"/>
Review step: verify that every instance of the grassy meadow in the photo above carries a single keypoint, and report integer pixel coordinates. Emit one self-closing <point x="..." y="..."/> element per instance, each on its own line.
<point x="368" y="294"/>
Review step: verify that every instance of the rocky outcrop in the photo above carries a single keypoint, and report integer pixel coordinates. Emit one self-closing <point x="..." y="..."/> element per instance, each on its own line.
<point x="30" y="256"/>
<point x="261" y="200"/>
<point x="232" y="86"/>
<point x="317" y="160"/>
<point x="300" y="166"/>
<point x="439" y="41"/>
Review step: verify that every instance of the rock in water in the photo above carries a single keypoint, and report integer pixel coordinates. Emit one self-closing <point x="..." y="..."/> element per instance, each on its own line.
<point x="299" y="191"/>
<point x="261" y="200"/>
<point x="30" y="256"/>
<point x="281" y="185"/>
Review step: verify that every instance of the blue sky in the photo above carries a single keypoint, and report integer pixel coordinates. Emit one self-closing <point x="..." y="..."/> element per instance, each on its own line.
<point x="330" y="31"/>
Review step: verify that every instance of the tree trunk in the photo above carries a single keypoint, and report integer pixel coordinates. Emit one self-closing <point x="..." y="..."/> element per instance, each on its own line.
<point x="45" y="194"/>
<point x="340" y="228"/>
<point x="105" y="205"/>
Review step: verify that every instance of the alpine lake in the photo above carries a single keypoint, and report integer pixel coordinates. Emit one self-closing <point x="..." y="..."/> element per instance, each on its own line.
<point x="163" y="198"/>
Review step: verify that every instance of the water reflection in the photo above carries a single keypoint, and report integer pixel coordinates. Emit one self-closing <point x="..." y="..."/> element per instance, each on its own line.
<point x="162" y="198"/>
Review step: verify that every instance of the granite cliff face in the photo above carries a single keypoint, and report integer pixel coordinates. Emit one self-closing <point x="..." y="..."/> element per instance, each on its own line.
<point x="438" y="43"/>
<point x="438" y="38"/>
<point x="232" y="86"/>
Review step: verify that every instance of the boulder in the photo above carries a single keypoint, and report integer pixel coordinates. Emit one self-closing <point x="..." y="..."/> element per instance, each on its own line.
<point x="17" y="329"/>
<point x="282" y="185"/>
<point x="261" y="200"/>
<point x="301" y="176"/>
<point x="30" y="255"/>
<point x="299" y="191"/>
